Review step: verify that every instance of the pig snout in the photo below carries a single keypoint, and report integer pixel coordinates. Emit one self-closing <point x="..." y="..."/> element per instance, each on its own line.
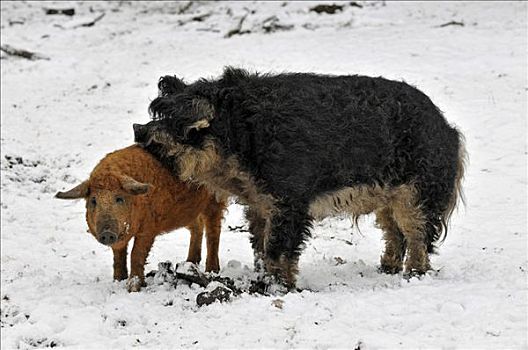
<point x="107" y="238"/>
<point x="140" y="133"/>
<point x="107" y="230"/>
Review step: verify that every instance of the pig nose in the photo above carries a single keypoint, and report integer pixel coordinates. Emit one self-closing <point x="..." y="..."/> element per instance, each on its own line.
<point x="139" y="133"/>
<point x="107" y="238"/>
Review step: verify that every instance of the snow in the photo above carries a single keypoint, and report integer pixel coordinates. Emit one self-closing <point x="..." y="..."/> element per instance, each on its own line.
<point x="62" y="115"/>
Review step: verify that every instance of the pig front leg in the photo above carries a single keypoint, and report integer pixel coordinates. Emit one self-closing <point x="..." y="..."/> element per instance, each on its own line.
<point x="142" y="245"/>
<point x="120" y="263"/>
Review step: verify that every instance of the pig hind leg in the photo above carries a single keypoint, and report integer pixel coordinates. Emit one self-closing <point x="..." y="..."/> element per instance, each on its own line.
<point x="392" y="258"/>
<point x="411" y="221"/>
<point x="213" y="225"/>
<point x="195" y="244"/>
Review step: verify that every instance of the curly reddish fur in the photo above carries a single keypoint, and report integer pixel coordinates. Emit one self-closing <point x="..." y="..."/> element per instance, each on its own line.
<point x="131" y="194"/>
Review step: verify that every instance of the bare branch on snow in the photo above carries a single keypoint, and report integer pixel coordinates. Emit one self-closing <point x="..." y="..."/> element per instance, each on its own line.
<point x="11" y="51"/>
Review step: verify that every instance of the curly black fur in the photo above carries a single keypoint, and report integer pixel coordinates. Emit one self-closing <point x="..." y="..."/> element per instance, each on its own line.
<point x="302" y="135"/>
<point x="170" y="85"/>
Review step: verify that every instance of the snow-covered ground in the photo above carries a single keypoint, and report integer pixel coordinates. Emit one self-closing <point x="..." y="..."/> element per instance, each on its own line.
<point x="60" y="116"/>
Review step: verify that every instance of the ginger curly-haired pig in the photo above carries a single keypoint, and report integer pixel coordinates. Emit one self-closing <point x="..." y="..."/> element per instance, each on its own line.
<point x="130" y="194"/>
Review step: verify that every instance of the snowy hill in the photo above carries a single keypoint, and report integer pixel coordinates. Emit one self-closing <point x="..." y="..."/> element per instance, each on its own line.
<point x="62" y="113"/>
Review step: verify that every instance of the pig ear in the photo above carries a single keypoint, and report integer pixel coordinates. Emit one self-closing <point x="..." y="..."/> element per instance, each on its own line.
<point x="185" y="112"/>
<point x="134" y="187"/>
<point x="170" y="85"/>
<point x="200" y="124"/>
<point x="79" y="191"/>
<point x="204" y="112"/>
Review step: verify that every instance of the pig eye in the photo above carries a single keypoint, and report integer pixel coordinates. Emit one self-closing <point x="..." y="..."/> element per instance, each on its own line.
<point x="120" y="200"/>
<point x="93" y="202"/>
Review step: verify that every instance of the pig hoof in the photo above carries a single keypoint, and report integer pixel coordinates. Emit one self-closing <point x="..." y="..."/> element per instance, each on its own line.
<point x="134" y="284"/>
